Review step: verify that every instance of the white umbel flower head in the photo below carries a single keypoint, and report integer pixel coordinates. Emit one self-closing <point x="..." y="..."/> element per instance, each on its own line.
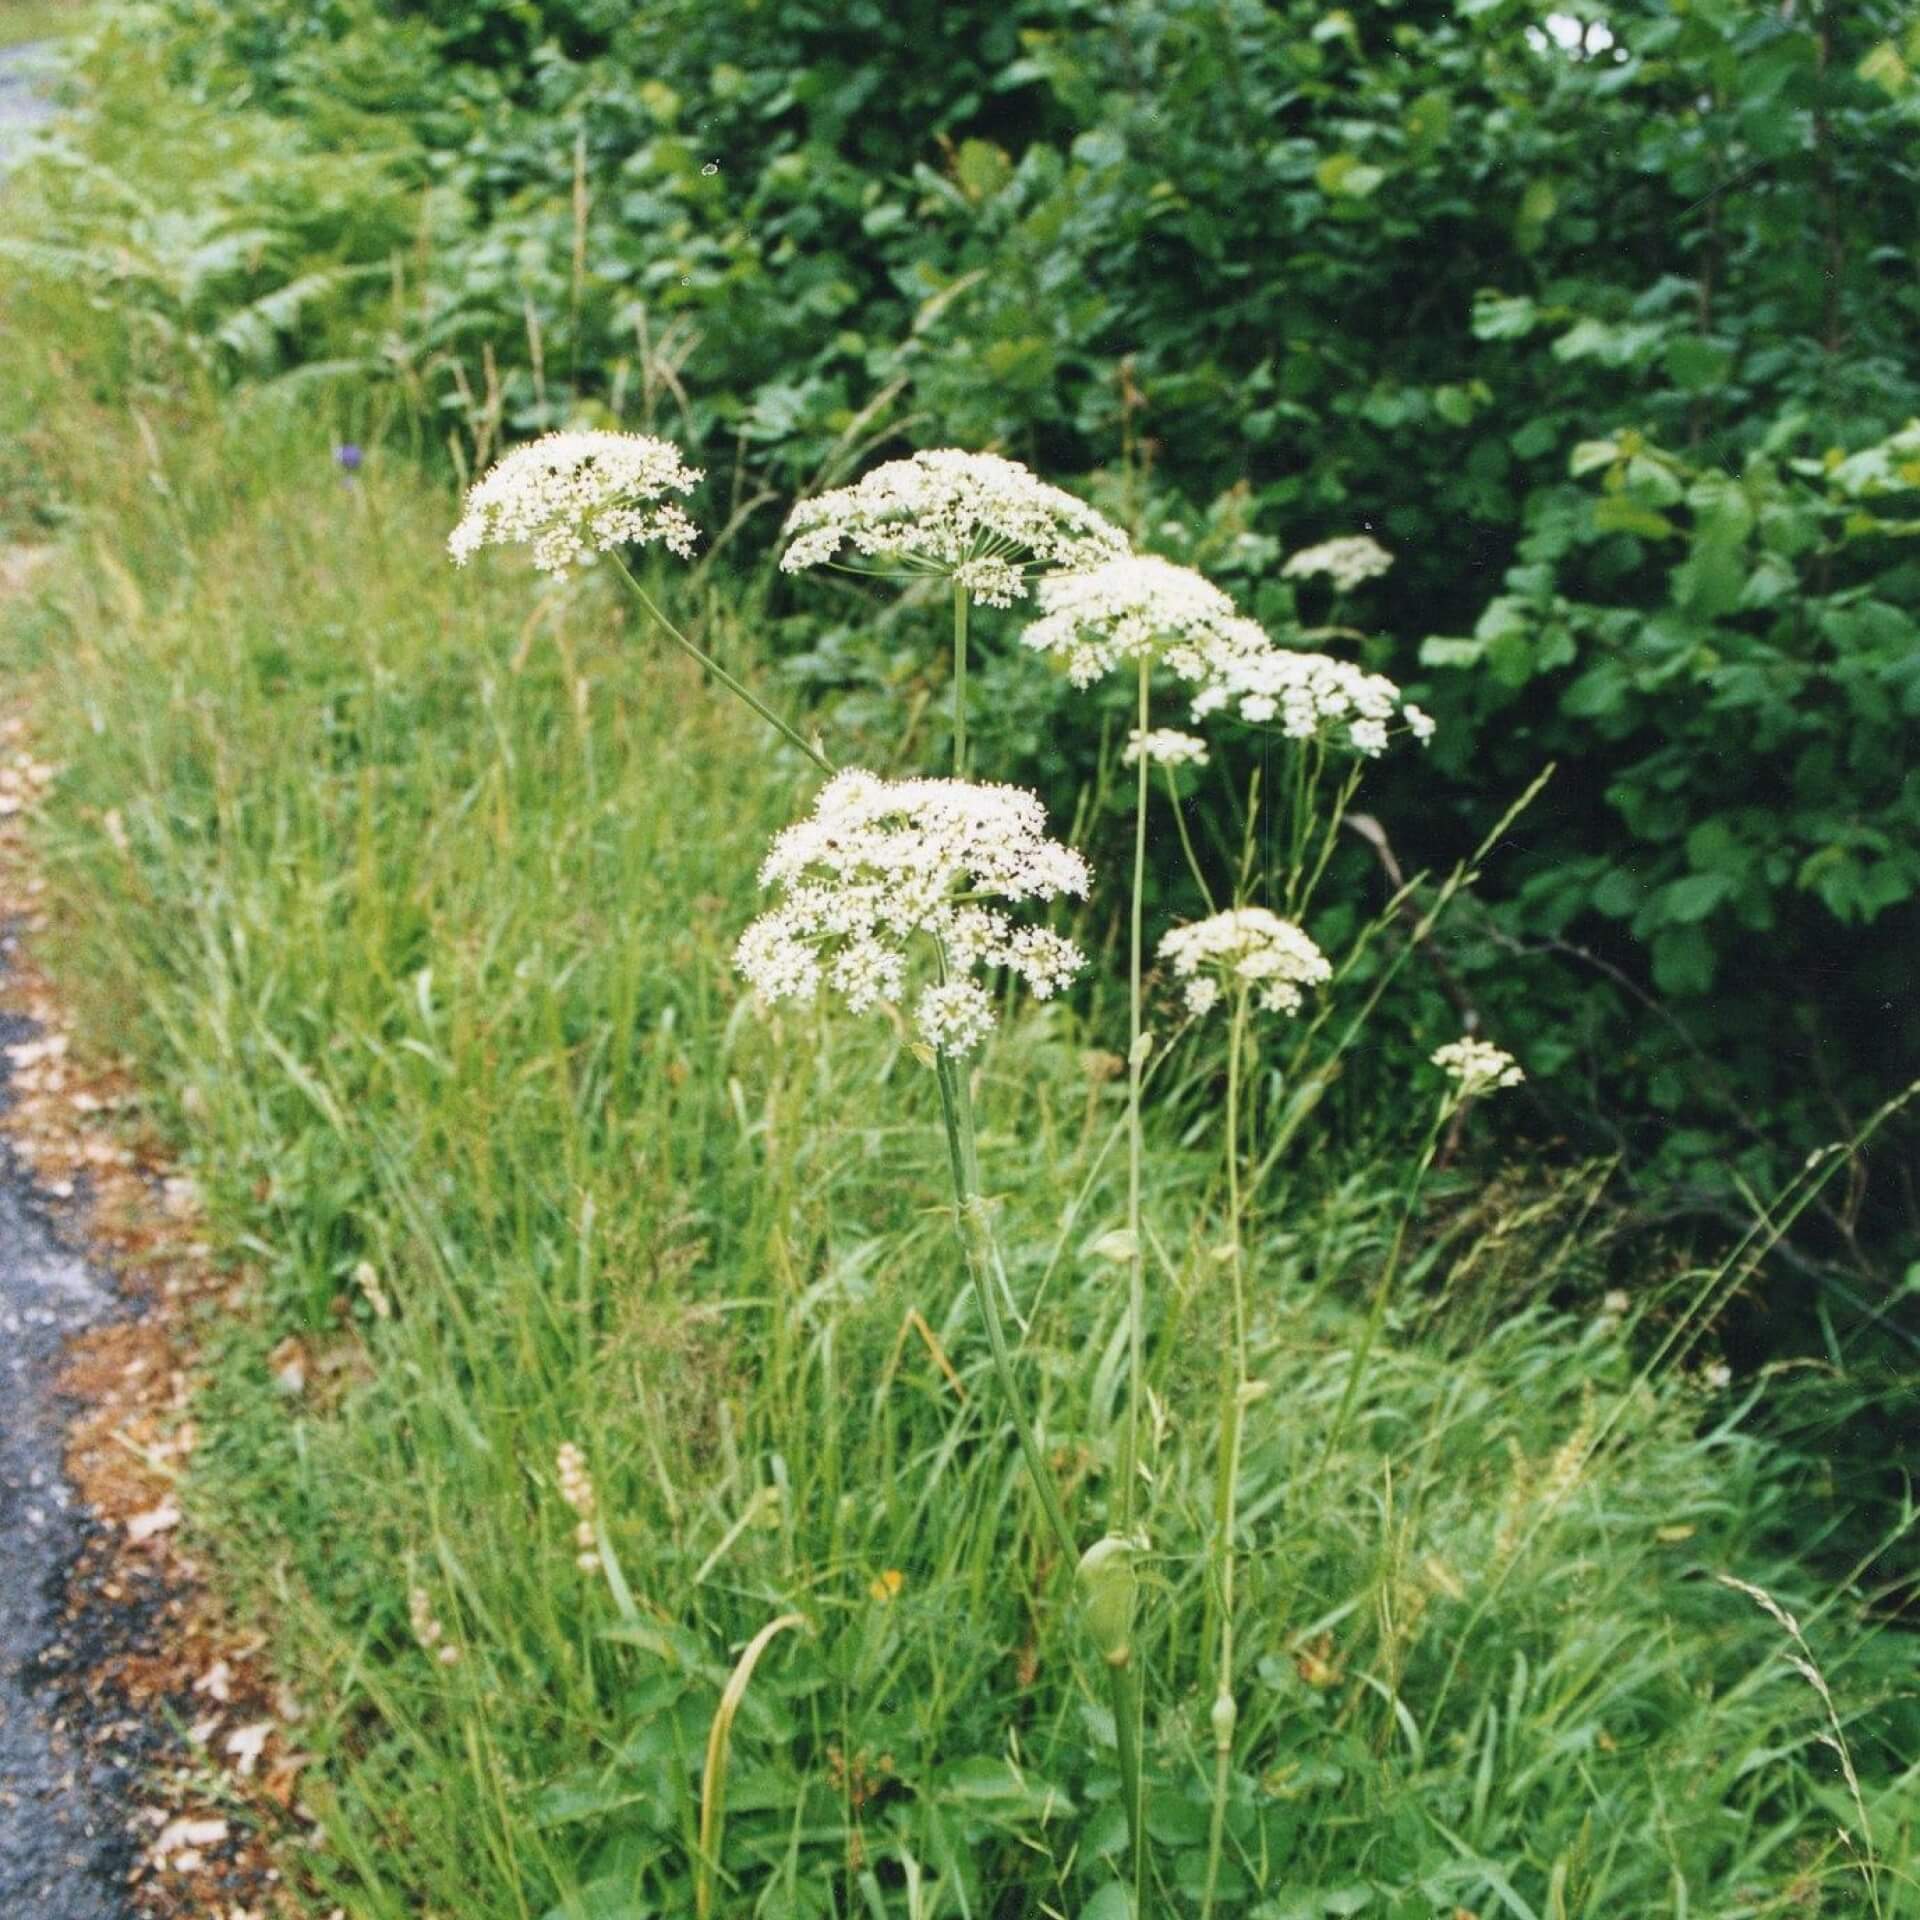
<point x="1138" y="607"/>
<point x="1347" y="562"/>
<point x="972" y="517"/>
<point x="954" y="1016"/>
<point x="1311" y="696"/>
<point x="1246" y="948"/>
<point x="1477" y="1066"/>
<point x="878" y="865"/>
<point x="1164" y="747"/>
<point x="571" y="496"/>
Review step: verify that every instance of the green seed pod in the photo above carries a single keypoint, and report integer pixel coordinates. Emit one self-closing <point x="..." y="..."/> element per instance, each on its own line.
<point x="1108" y="1590"/>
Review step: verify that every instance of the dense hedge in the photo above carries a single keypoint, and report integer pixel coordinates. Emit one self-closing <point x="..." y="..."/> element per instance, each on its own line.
<point x="1608" y="330"/>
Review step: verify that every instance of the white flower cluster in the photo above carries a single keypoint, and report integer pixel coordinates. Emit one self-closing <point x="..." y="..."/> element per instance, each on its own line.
<point x="972" y="517"/>
<point x="576" y="1489"/>
<point x="570" y="496"/>
<point x="1478" y="1066"/>
<point x="1347" y="562"/>
<point x="878" y="862"/>
<point x="1248" y="947"/>
<point x="1312" y="696"/>
<point x="1140" y="606"/>
<point x="1164" y="747"/>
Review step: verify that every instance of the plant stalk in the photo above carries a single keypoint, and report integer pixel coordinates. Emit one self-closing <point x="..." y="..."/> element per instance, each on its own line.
<point x="1133" y="1718"/>
<point x="959" y="681"/>
<point x="788" y="732"/>
<point x="1126" y="1493"/>
<point x="982" y="1255"/>
<point x="1186" y="840"/>
<point x="1233" y="1384"/>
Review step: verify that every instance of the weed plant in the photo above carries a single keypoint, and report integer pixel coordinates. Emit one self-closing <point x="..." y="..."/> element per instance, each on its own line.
<point x="653" y="1535"/>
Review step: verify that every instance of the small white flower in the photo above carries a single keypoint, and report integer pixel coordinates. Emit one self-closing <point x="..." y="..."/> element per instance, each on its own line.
<point x="972" y="517"/>
<point x="1311" y="696"/>
<point x="1135" y="607"/>
<point x="1615" y="1300"/>
<point x="1477" y="1066"/>
<point x="954" y="1016"/>
<point x="570" y="496"/>
<point x="879" y="863"/>
<point x="1164" y="747"/>
<point x="1246" y="948"/>
<point x="1718" y="1376"/>
<point x="1346" y="562"/>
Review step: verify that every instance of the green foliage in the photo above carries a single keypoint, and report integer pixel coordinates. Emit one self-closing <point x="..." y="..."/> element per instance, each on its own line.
<point x="1311" y="269"/>
<point x="415" y="912"/>
<point x="419" y="905"/>
<point x="1755" y="713"/>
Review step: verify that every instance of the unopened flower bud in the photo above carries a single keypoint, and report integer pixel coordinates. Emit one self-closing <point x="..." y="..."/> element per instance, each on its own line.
<point x="1108" y="1590"/>
<point x="1224" y="1717"/>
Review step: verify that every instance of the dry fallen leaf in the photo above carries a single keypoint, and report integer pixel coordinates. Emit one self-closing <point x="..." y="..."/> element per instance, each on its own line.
<point x="143" y="1526"/>
<point x="180" y="1834"/>
<point x="246" y="1745"/>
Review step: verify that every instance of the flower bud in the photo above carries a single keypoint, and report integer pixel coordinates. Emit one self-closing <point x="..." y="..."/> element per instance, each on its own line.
<point x="1224" y="1718"/>
<point x="1108" y="1589"/>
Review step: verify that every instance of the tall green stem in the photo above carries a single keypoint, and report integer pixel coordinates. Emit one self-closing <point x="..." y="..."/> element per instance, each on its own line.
<point x="788" y="732"/>
<point x="982" y="1255"/>
<point x="1186" y="840"/>
<point x="1233" y="1388"/>
<point x="959" y="681"/>
<point x="1128" y="1490"/>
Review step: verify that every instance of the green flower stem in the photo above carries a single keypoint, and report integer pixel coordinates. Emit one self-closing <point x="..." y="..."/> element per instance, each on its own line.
<point x="1131" y="1721"/>
<point x="1127" y="1491"/>
<point x="1311" y="881"/>
<point x="1233" y="1402"/>
<point x="1129" y="1713"/>
<point x="790" y="733"/>
<point x="1186" y="842"/>
<point x="982" y="1255"/>
<point x="959" y="681"/>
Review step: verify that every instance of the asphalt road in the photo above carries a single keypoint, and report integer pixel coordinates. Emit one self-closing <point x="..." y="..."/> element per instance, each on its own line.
<point x="63" y="1848"/>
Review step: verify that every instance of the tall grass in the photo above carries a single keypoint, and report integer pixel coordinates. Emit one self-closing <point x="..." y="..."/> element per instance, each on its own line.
<point x="413" y="895"/>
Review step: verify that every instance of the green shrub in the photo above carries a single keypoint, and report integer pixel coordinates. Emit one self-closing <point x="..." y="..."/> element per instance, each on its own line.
<point x="417" y="913"/>
<point x="1315" y="270"/>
